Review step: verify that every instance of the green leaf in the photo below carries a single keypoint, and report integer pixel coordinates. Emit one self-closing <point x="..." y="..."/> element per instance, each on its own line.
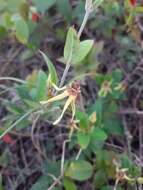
<point x="79" y="170"/>
<point x="22" y="31"/>
<point x="110" y="188"/>
<point x="12" y="5"/>
<point x="138" y="9"/>
<point x="41" y="85"/>
<point x="42" y="183"/>
<point x="65" y="9"/>
<point x="7" y="22"/>
<point x="127" y="163"/>
<point x="22" y="91"/>
<point x="13" y="108"/>
<point x="117" y="75"/>
<point x="51" y="68"/>
<point x="1" y="186"/>
<point x="98" y="108"/>
<point x="83" y="119"/>
<point x="113" y="126"/>
<point x="3" y="32"/>
<point x="106" y="188"/>
<point x="24" y="10"/>
<point x="100" y="179"/>
<point x="69" y="184"/>
<point x="50" y="166"/>
<point x="71" y="45"/>
<point x="99" y="134"/>
<point x="83" y="139"/>
<point x="4" y="157"/>
<point x="43" y="5"/>
<point x="84" y="48"/>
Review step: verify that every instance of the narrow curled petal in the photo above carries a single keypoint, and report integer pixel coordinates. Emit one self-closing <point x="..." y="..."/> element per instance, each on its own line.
<point x="73" y="108"/>
<point x="68" y="102"/>
<point x="56" y="98"/>
<point x="57" y="88"/>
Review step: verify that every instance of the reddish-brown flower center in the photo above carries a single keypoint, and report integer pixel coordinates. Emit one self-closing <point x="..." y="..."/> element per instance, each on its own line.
<point x="74" y="89"/>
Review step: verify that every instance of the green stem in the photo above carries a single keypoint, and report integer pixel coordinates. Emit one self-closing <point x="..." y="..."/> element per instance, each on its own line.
<point x="13" y="79"/>
<point x="15" y="123"/>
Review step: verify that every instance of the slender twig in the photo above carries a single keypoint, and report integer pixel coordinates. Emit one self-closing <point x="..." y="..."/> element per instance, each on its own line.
<point x="85" y="19"/>
<point x="63" y="156"/>
<point x="131" y="111"/>
<point x="128" y="138"/>
<point x="35" y="120"/>
<point x="13" y="79"/>
<point x="55" y="183"/>
<point x="78" y="154"/>
<point x="65" y="74"/>
<point x="57" y="180"/>
<point x="141" y="140"/>
<point x="116" y="184"/>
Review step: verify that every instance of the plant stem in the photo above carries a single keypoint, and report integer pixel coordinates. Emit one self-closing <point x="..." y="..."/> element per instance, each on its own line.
<point x="63" y="156"/>
<point x="116" y="185"/>
<point x="13" y="79"/>
<point x="15" y="123"/>
<point x="78" y="154"/>
<point x="85" y="19"/>
<point x="65" y="74"/>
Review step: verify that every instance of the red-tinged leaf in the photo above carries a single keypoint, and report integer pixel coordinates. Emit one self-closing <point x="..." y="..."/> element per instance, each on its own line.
<point x="8" y="139"/>
<point x="36" y="17"/>
<point x="133" y="2"/>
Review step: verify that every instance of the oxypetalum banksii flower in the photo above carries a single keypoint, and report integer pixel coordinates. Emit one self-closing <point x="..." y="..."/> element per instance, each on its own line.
<point x="70" y="92"/>
<point x="105" y="88"/>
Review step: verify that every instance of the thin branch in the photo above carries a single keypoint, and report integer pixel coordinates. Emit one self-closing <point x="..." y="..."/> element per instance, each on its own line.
<point x="85" y="19"/>
<point x="128" y="138"/>
<point x="13" y="79"/>
<point x="78" y="154"/>
<point x="16" y="123"/>
<point x="131" y="111"/>
<point x="63" y="156"/>
<point x="57" y="180"/>
<point x="116" y="184"/>
<point x="141" y="140"/>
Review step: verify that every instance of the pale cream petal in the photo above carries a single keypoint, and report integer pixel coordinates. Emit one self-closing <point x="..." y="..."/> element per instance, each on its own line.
<point x="73" y="108"/>
<point x="57" y="88"/>
<point x="56" y="98"/>
<point x="68" y="102"/>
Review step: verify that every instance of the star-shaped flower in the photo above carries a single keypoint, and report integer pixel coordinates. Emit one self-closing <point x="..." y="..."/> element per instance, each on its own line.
<point x="70" y="92"/>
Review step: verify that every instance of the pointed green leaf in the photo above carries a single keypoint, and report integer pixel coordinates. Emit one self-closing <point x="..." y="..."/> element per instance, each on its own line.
<point x="42" y="183"/>
<point x="51" y="68"/>
<point x="41" y="85"/>
<point x="22" y="31"/>
<point x="113" y="126"/>
<point x="84" y="48"/>
<point x="64" y="7"/>
<point x="69" y="184"/>
<point x="83" y="119"/>
<point x="43" y="5"/>
<point x="99" y="134"/>
<point x="83" y="139"/>
<point x="71" y="45"/>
